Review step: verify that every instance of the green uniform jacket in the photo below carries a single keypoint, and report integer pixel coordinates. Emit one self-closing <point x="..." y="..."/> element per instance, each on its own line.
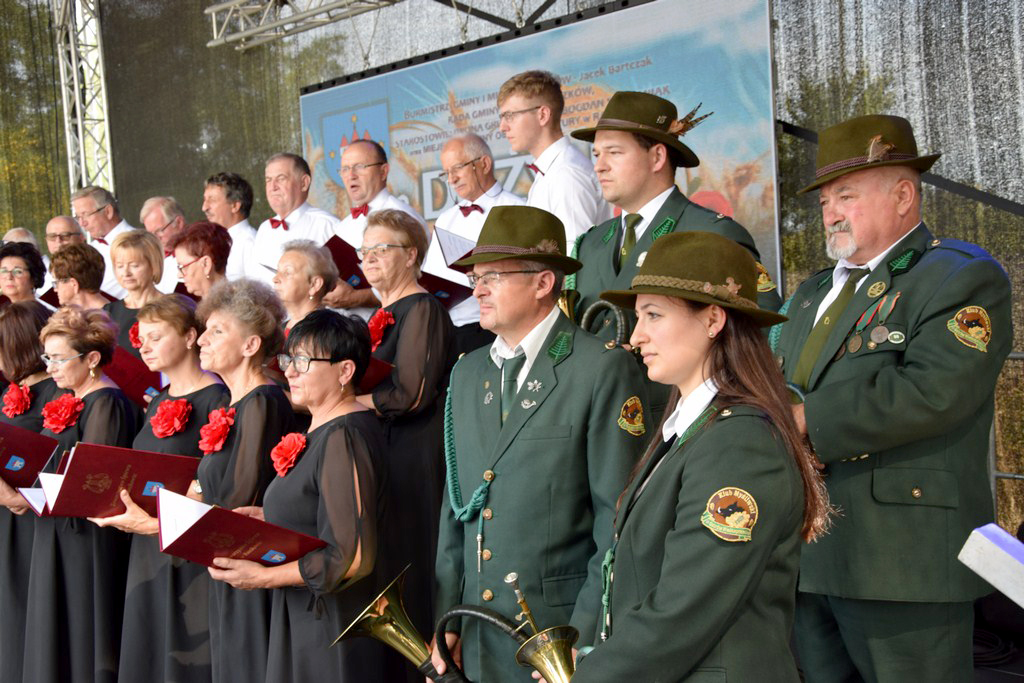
<point x="686" y="604"/>
<point x="558" y="467"/>
<point x="598" y="248"/>
<point x="903" y="425"/>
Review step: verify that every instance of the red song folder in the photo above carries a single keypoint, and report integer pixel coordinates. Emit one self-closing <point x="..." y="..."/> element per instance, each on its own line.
<point x="347" y="260"/>
<point x="94" y="476"/>
<point x="448" y="285"/>
<point x="198" y="532"/>
<point x="376" y="372"/>
<point x="132" y="375"/>
<point x="22" y="454"/>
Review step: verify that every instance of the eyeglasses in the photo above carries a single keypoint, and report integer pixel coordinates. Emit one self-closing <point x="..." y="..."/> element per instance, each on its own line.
<point x="181" y="268"/>
<point x="378" y="250"/>
<point x="15" y="272"/>
<point x="507" y="116"/>
<point x="359" y="168"/>
<point x="457" y="168"/>
<point x="159" y="231"/>
<point x="62" y="236"/>
<point x="301" y="362"/>
<point x="50" y="360"/>
<point x="78" y="217"/>
<point x="493" y="278"/>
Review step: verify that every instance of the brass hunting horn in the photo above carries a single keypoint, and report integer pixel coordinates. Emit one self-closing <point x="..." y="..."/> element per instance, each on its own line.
<point x="385" y="619"/>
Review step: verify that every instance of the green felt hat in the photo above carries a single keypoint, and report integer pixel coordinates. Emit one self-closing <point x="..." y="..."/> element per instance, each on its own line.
<point x="650" y="116"/>
<point x="867" y="142"/>
<point x="520" y="232"/>
<point x="699" y="266"/>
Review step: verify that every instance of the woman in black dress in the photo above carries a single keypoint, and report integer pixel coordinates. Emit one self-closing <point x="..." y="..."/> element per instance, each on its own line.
<point x="166" y="630"/>
<point x="22" y="271"/>
<point x="413" y="332"/>
<point x="23" y="400"/>
<point x="76" y="591"/>
<point x="243" y="328"/>
<point x="305" y="274"/>
<point x="201" y="250"/>
<point x="138" y="266"/>
<point x="331" y="484"/>
<point x="77" y="276"/>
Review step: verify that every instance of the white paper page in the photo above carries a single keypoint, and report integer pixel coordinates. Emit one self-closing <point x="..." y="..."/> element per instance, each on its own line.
<point x="51" y="484"/>
<point x="177" y="514"/>
<point x="453" y="246"/>
<point x="434" y="263"/>
<point x="35" y="497"/>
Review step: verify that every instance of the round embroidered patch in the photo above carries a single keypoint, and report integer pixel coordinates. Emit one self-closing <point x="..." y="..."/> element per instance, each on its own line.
<point x="764" y="280"/>
<point x="972" y="327"/>
<point x="730" y="514"/>
<point x="631" y="417"/>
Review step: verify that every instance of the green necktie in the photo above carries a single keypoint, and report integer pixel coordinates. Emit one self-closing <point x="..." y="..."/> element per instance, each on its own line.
<point x="629" y="236"/>
<point x="819" y="335"/>
<point x="510" y="371"/>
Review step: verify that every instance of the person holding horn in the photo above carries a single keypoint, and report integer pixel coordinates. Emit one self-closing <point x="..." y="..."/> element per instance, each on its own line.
<point x="895" y="353"/>
<point x="637" y="151"/>
<point x="542" y="428"/>
<point x="701" y="574"/>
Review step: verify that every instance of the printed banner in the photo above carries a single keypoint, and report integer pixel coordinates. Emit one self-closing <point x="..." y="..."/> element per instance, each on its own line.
<point x="687" y="51"/>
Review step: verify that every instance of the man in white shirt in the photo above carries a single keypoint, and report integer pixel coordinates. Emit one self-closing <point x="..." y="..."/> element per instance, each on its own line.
<point x="227" y="201"/>
<point x="287" y="185"/>
<point x="530" y="109"/>
<point x="164" y="218"/>
<point x="60" y="230"/>
<point x="469" y="170"/>
<point x="97" y="212"/>
<point x="364" y="169"/>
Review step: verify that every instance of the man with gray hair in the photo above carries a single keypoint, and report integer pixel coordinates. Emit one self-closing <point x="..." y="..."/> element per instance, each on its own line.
<point x="96" y="211"/>
<point x="164" y="218"/>
<point x="468" y="169"/>
<point x="60" y="230"/>
<point x="21" y="235"/>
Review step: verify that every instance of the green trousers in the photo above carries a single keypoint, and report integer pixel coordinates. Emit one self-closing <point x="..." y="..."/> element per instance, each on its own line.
<point x="839" y="640"/>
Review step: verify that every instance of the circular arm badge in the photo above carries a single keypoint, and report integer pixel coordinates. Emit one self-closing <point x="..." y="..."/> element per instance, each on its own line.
<point x="730" y="514"/>
<point x="972" y="327"/>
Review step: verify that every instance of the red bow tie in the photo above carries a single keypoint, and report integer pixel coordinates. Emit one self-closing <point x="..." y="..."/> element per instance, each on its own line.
<point x="168" y="254"/>
<point x="276" y="223"/>
<point x="534" y="168"/>
<point x="360" y="211"/>
<point x="100" y="240"/>
<point x="466" y="210"/>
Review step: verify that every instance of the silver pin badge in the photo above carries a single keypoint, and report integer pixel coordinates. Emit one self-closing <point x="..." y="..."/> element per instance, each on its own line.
<point x="640" y="259"/>
<point x="534" y="385"/>
<point x="488" y="397"/>
<point x="527" y="404"/>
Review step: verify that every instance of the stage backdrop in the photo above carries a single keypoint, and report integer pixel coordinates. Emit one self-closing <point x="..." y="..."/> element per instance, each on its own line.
<point x="688" y="51"/>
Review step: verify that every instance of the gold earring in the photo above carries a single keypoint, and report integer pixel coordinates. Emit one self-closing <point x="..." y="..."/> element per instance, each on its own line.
<point x="92" y="372"/>
<point x="711" y="334"/>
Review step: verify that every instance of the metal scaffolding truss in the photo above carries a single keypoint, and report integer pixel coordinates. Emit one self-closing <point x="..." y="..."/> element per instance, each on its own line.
<point x="84" y="92"/>
<point x="248" y="23"/>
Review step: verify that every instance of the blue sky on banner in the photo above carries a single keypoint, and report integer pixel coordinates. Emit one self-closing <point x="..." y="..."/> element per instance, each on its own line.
<point x="716" y="54"/>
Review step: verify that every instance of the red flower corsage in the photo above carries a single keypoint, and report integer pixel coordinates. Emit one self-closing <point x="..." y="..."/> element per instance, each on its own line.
<point x="170" y="418"/>
<point x="214" y="433"/>
<point x="379" y="321"/>
<point x="286" y="452"/>
<point x="133" y="336"/>
<point x="16" y="400"/>
<point x="62" y="412"/>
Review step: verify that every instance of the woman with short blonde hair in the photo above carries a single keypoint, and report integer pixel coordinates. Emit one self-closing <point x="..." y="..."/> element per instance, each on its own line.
<point x="138" y="266"/>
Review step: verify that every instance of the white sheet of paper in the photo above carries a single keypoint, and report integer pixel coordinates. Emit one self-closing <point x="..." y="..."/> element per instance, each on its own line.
<point x="51" y="484"/>
<point x="35" y="497"/>
<point x="177" y="514"/>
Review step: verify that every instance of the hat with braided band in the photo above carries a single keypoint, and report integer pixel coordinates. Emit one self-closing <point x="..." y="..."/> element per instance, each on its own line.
<point x="702" y="267"/>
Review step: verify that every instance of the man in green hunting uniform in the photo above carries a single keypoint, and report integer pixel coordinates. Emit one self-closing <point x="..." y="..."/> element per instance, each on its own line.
<point x="543" y="428"/>
<point x="895" y="353"/>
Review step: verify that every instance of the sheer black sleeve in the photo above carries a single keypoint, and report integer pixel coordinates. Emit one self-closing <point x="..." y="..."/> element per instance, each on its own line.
<point x="112" y="419"/>
<point x="346" y="513"/>
<point x="421" y="360"/>
<point x="260" y="426"/>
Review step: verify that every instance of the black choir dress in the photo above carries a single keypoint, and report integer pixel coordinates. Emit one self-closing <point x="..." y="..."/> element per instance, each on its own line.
<point x="16" y="533"/>
<point x="76" y="591"/>
<point x="125" y="318"/>
<point x="166" y="632"/>
<point x="421" y="346"/>
<point x="234" y="476"/>
<point x="318" y="497"/>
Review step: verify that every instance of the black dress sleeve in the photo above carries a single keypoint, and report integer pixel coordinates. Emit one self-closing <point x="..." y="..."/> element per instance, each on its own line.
<point x="260" y="426"/>
<point x="112" y="420"/>
<point x="346" y="513"/>
<point x="421" y="362"/>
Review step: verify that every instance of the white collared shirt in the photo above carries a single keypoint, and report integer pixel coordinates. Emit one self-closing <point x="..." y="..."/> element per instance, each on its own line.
<point x="110" y="284"/>
<point x="532" y="346"/>
<point x="169" y="280"/>
<point x="567" y="187"/>
<point x="304" y="223"/>
<point x="841" y="273"/>
<point x="243" y="240"/>
<point x="351" y="229"/>
<point x="469" y="226"/>
<point x="647" y="213"/>
<point x="688" y="409"/>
